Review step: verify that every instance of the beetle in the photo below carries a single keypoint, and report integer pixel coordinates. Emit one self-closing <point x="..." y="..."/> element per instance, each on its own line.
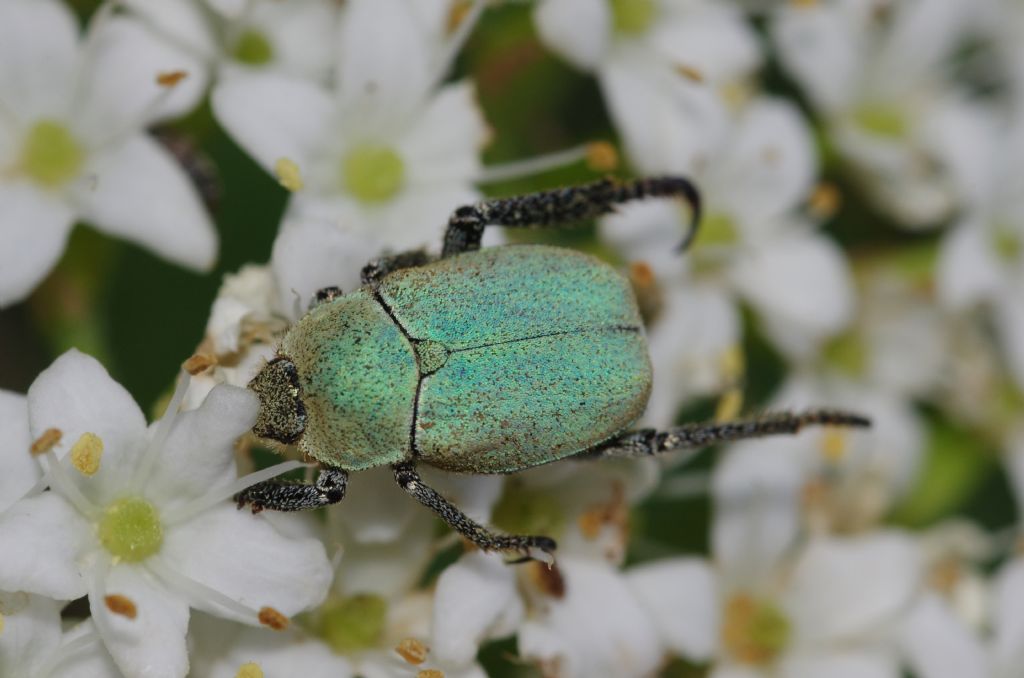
<point x="480" y="361"/>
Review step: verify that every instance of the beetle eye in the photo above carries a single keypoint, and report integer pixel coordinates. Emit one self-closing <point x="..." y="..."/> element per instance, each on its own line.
<point x="282" y="415"/>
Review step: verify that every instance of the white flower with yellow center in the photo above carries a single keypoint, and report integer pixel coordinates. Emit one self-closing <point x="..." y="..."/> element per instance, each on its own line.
<point x="73" y="146"/>
<point x="387" y="154"/>
<point x="295" y="38"/>
<point x="141" y="519"/>
<point x="32" y="644"/>
<point x="878" y="74"/>
<point x="767" y="606"/>
<point x="668" y="68"/>
<point x="753" y="245"/>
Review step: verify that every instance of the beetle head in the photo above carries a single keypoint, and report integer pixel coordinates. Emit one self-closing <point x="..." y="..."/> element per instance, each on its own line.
<point x="282" y="416"/>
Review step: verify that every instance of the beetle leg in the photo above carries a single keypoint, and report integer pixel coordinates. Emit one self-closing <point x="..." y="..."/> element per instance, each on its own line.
<point x="530" y="546"/>
<point x="284" y="495"/>
<point x="374" y="271"/>
<point x="646" y="442"/>
<point x="561" y="207"/>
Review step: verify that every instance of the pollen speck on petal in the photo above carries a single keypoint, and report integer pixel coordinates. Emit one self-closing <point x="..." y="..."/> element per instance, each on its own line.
<point x="271" y="618"/>
<point x="121" y="605"/>
<point x="412" y="651"/>
<point x="199" y="363"/>
<point x="86" y="453"/>
<point x="288" y="174"/>
<point x="602" y="156"/>
<point x="46" y="442"/>
<point x="170" y="78"/>
<point x="249" y="670"/>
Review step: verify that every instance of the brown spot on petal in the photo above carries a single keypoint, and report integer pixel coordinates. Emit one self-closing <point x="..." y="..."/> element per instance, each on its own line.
<point x="273" y="619"/>
<point x="170" y="78"/>
<point x="547" y="578"/>
<point x="412" y="651"/>
<point x="121" y="605"/>
<point x="690" y="73"/>
<point x="199" y="363"/>
<point x="602" y="156"/>
<point x="45" y="442"/>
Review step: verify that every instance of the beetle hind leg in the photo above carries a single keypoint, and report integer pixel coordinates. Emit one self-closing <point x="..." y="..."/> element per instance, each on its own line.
<point x="532" y="547"/>
<point x="284" y="495"/>
<point x="647" y="442"/>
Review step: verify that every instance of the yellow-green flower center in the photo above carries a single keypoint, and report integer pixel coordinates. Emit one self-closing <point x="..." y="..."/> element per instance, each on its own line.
<point x="883" y="120"/>
<point x="848" y="353"/>
<point x="524" y="512"/>
<point x="716" y="230"/>
<point x="51" y="156"/>
<point x="754" y="631"/>
<point x="253" y="48"/>
<point x="373" y="173"/>
<point x="1007" y="243"/>
<point x="631" y="17"/>
<point x="130" y="529"/>
<point x="352" y="624"/>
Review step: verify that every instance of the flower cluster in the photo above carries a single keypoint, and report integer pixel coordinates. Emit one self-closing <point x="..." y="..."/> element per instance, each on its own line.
<point x="860" y="247"/>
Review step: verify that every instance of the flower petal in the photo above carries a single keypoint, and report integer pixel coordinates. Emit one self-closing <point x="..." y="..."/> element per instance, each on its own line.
<point x="476" y="599"/>
<point x="21" y="471"/>
<point x="76" y="395"/>
<point x="198" y="456"/>
<point x="598" y="629"/>
<point x="247" y="559"/>
<point x="843" y="664"/>
<point x="967" y="271"/>
<point x="273" y="117"/>
<point x="35" y="227"/>
<point x="444" y="143"/>
<point x="1009" y="324"/>
<point x="712" y="39"/>
<point x="41" y="539"/>
<point x="142" y="195"/>
<point x="767" y="168"/>
<point x="121" y="92"/>
<point x="802" y="288"/>
<point x="152" y="641"/>
<point x="385" y="74"/>
<point x="39" y="51"/>
<point x="844" y="590"/>
<point x="182" y="21"/>
<point x="91" y="661"/>
<point x="310" y="254"/>
<point x="939" y="645"/>
<point x="303" y="35"/>
<point x="680" y="595"/>
<point x="1007" y="620"/>
<point x="580" y="31"/>
<point x="31" y="632"/>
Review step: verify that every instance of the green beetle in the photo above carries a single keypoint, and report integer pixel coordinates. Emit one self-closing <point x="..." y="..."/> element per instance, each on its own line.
<point x="481" y="361"/>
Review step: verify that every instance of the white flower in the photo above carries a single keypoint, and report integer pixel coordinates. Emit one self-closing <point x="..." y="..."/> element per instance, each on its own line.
<point x="664" y="65"/>
<point x="32" y="644"/>
<point x="143" y="523"/>
<point x="752" y="245"/>
<point x="850" y="477"/>
<point x="827" y="608"/>
<point x="877" y="74"/>
<point x="295" y="38"/>
<point x="386" y="155"/>
<point x="73" y="147"/>
<point x="981" y="260"/>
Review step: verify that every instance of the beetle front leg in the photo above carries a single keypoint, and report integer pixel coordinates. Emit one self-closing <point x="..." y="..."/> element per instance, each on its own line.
<point x="374" y="271"/>
<point x="530" y="546"/>
<point x="284" y="495"/>
<point x="563" y="206"/>
<point x="646" y="442"/>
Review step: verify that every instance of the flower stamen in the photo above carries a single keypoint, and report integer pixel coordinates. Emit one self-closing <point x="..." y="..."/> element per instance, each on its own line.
<point x="121" y="605"/>
<point x="86" y="454"/>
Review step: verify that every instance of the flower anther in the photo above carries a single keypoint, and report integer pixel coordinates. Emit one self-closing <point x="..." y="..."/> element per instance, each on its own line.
<point x="754" y="631"/>
<point x="86" y="454"/>
<point x="413" y="651"/>
<point x="121" y="605"/>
